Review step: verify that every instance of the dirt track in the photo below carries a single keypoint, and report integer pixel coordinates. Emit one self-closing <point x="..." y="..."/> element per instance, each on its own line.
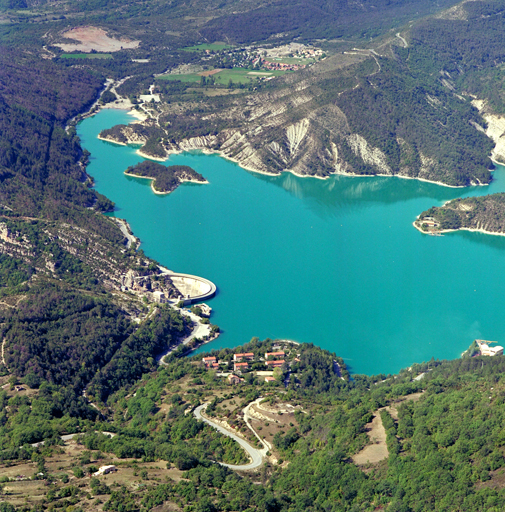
<point x="377" y="451"/>
<point x="376" y="432"/>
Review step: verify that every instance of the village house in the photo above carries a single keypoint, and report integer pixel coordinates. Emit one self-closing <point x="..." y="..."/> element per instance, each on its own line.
<point x="210" y="363"/>
<point x="275" y="355"/>
<point x="234" y="379"/>
<point x="430" y="222"/>
<point x="105" y="470"/>
<point x="275" y="364"/>
<point x="246" y="356"/>
<point x="269" y="379"/>
<point x="240" y="366"/>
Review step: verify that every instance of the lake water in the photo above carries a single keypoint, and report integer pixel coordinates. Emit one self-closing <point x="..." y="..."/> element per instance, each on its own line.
<point x="334" y="262"/>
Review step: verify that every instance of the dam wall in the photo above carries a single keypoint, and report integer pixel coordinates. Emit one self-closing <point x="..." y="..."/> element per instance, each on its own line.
<point x="193" y="288"/>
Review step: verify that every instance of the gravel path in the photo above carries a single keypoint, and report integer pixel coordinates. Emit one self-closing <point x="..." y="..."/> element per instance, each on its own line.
<point x="255" y="454"/>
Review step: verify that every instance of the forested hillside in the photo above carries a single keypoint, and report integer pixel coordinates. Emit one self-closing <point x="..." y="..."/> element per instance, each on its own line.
<point x="445" y="449"/>
<point x="165" y="179"/>
<point x="60" y="257"/>
<point x="486" y="213"/>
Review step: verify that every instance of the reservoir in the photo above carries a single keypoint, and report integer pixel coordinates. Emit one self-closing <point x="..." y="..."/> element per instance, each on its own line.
<point x="332" y="262"/>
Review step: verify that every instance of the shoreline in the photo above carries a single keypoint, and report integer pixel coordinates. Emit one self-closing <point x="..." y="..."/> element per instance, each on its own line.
<point x="404" y="177"/>
<point x="167" y="192"/>
<point x="208" y="151"/>
<point x="220" y="153"/>
<point x="149" y="157"/>
<point x="112" y="141"/>
<point x="473" y="230"/>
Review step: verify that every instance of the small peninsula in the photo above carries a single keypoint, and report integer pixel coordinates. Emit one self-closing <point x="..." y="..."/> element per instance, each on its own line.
<point x="485" y="214"/>
<point x="165" y="179"/>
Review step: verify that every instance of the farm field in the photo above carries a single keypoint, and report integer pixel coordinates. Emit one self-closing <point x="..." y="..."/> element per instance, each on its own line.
<point x="236" y="75"/>
<point x="86" y="56"/>
<point x="207" y="46"/>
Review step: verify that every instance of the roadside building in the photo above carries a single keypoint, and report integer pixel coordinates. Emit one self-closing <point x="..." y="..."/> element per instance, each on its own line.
<point x="269" y="379"/>
<point x="246" y="356"/>
<point x="159" y="296"/>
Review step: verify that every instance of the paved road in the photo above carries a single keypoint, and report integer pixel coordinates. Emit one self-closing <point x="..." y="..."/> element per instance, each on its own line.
<point x="123" y="226"/>
<point x="255" y="454"/>
<point x="199" y="331"/>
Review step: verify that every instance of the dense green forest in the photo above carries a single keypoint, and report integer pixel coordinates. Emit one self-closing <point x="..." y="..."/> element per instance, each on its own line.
<point x="165" y="178"/>
<point x="61" y="323"/>
<point x="41" y="164"/>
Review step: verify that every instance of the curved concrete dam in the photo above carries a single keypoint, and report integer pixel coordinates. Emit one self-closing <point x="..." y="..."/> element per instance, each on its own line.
<point x="193" y="288"/>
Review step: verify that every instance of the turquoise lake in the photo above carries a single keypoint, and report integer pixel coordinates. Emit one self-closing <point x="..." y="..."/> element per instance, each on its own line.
<point x="333" y="262"/>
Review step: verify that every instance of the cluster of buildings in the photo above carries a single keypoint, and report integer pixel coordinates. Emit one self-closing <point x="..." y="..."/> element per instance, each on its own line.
<point x="271" y="58"/>
<point x="272" y="360"/>
<point x="486" y="350"/>
<point x="242" y="362"/>
<point x="280" y="66"/>
<point x="430" y="222"/>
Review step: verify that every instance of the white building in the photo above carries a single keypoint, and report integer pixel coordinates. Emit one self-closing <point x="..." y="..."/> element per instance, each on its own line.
<point x="105" y="470"/>
<point x="486" y="350"/>
<point x="159" y="296"/>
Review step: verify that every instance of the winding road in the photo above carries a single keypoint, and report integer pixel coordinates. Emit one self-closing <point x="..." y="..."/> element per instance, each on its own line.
<point x="199" y="331"/>
<point x="256" y="455"/>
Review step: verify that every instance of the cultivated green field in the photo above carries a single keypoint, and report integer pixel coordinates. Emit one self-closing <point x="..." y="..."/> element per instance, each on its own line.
<point x="218" y="46"/>
<point x="236" y="75"/>
<point x="191" y="77"/>
<point x="86" y="56"/>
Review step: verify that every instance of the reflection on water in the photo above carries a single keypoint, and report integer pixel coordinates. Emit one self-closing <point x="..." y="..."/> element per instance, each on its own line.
<point x="494" y="241"/>
<point x="340" y="191"/>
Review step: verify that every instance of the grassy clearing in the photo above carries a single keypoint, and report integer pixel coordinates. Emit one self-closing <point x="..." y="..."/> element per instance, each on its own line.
<point x="243" y="76"/>
<point x="191" y="77"/>
<point x="236" y="75"/>
<point x="86" y="56"/>
<point x="217" y="46"/>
